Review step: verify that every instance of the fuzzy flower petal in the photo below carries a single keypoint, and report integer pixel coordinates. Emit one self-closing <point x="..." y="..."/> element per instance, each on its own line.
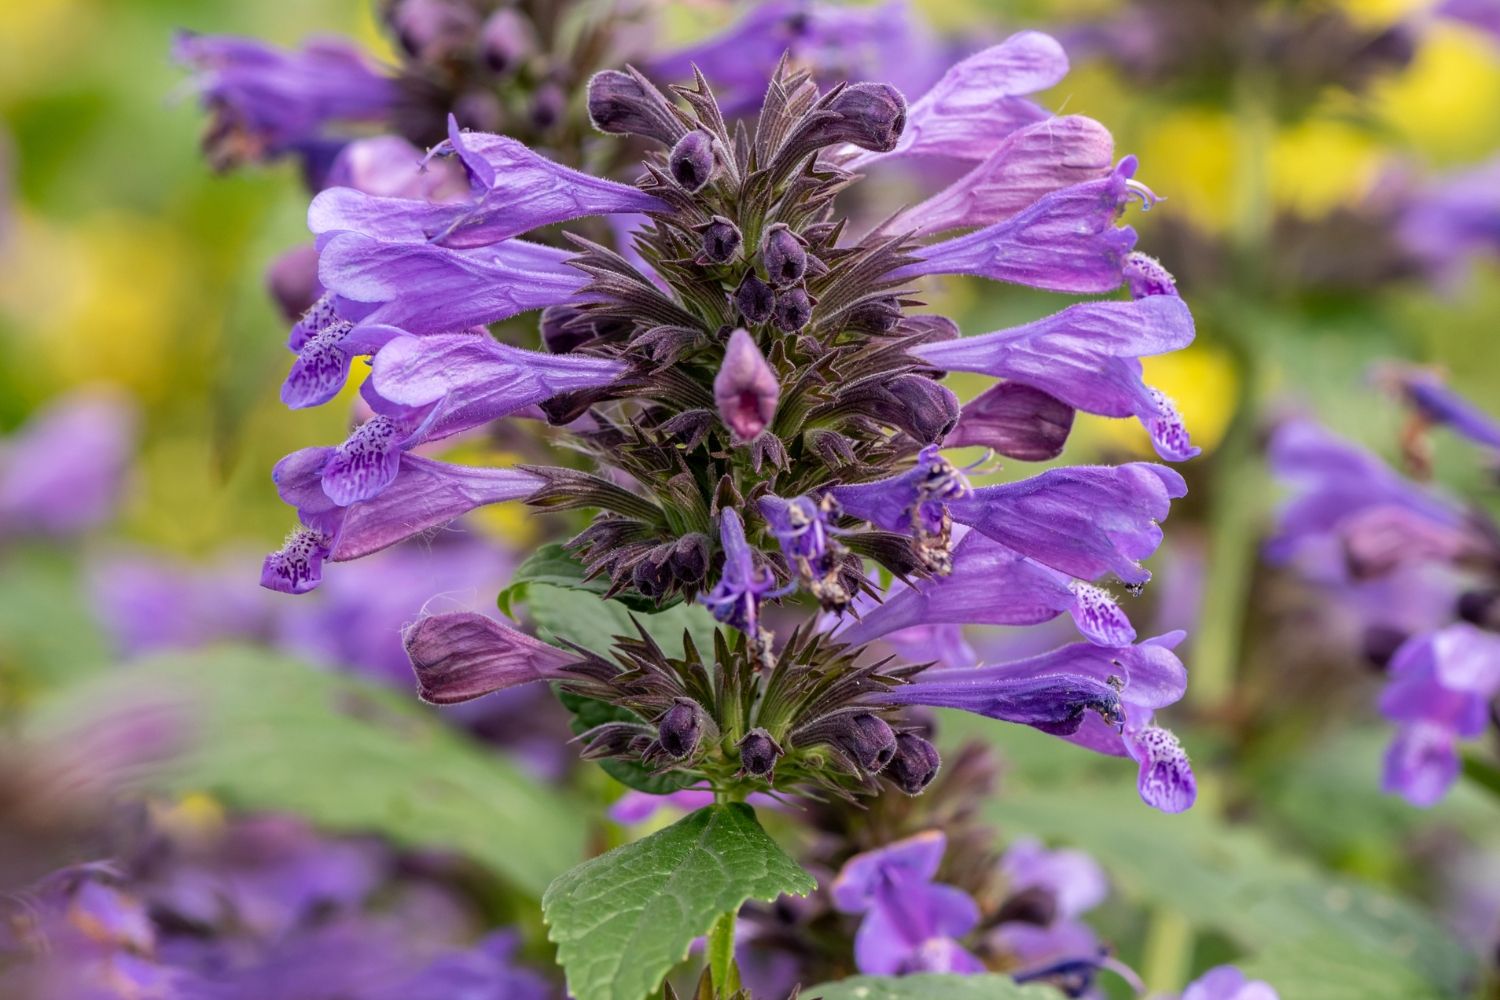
<point x="461" y="656"/>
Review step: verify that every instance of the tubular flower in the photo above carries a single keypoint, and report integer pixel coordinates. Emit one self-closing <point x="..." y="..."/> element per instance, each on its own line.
<point x="753" y="414"/>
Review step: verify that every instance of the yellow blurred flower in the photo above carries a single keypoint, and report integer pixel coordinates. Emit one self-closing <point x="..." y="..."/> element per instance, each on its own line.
<point x="1189" y="156"/>
<point x="1444" y="103"/>
<point x="1203" y="383"/>
<point x="1318" y="165"/>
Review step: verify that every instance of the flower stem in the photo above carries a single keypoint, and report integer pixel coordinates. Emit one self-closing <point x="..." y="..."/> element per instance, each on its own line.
<point x="722" y="971"/>
<point x="1168" y="955"/>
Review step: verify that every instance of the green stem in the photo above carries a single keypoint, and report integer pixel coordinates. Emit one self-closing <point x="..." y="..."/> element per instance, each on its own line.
<point x="722" y="971"/>
<point x="1168" y="954"/>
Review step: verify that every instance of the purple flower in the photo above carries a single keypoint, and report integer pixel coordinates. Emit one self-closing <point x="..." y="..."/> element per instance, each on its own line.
<point x="63" y="472"/>
<point x="980" y="101"/>
<point x="1481" y="14"/>
<point x="268" y="102"/>
<point x="512" y="191"/>
<point x="911" y="923"/>
<point x="1085" y="521"/>
<point x="463" y="655"/>
<point x="745" y="389"/>
<point x="1351" y="513"/>
<point x="638" y="807"/>
<point x="1029" y="163"/>
<point x="993" y="585"/>
<point x="1066" y="241"/>
<point x="1014" y="420"/>
<point x="1046" y="893"/>
<point x="1453" y="219"/>
<point x="735" y="601"/>
<point x="1087" y="356"/>
<point x="389" y="166"/>
<point x="1428" y="395"/>
<point x="1227" y="983"/>
<point x="1439" y="693"/>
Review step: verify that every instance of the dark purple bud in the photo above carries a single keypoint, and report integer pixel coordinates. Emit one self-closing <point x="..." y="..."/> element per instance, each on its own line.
<point x="793" y="309"/>
<point x="1015" y="420"/>
<point x="433" y="30"/>
<point x="929" y="329"/>
<point x="783" y="255"/>
<point x="869" y="115"/>
<point x="1380" y="643"/>
<point x="690" y="558"/>
<point x="652" y="574"/>
<point x="681" y="728"/>
<point x="1146" y="277"/>
<point x="1036" y="905"/>
<point x="868" y="740"/>
<point x="755" y="299"/>
<point x="758" y="754"/>
<point x="692" y="160"/>
<point x="745" y="389"/>
<point x="626" y="103"/>
<point x="548" y="105"/>
<point x="921" y="407"/>
<point x="874" y="316"/>
<point x="292" y="280"/>
<point x="914" y="764"/>
<point x="721" y="241"/>
<point x="508" y="40"/>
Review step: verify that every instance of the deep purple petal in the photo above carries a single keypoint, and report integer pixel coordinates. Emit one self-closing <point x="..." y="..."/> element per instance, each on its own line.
<point x="464" y="655"/>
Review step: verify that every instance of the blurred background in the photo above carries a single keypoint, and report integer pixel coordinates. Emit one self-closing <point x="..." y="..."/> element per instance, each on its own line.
<point x="268" y="747"/>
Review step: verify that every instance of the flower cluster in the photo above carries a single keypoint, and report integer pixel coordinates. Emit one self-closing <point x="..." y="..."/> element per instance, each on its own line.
<point x="1421" y="570"/>
<point x="254" y="908"/>
<point x="760" y="414"/>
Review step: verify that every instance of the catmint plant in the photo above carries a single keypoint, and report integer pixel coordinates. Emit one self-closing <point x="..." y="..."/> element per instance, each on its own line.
<point x="755" y="419"/>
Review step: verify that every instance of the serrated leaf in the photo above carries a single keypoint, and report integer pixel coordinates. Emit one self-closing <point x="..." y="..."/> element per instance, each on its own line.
<point x="929" y="987"/>
<point x="622" y="921"/>
<point x="584" y="618"/>
<point x="271" y="733"/>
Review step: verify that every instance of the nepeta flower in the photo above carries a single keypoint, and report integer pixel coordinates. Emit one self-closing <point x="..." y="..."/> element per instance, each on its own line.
<point x="1227" y="983"/>
<point x="911" y="922"/>
<point x="757" y="416"/>
<point x="63" y="472"/>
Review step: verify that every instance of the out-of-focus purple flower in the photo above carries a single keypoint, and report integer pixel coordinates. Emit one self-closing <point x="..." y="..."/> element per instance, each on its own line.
<point x="911" y="922"/>
<point x="1426" y="392"/>
<point x="1453" y="219"/>
<point x="1227" y="983"/>
<point x="1085" y="521"/>
<point x="268" y="102"/>
<point x="638" y="807"/>
<point x="153" y="602"/>
<point x="63" y="472"/>
<point x="837" y="42"/>
<point x="1087" y="356"/>
<point x="1066" y="241"/>
<point x="1481" y="14"/>
<point x="1352" y="514"/>
<point x="1038" y="927"/>
<point x="1439" y="693"/>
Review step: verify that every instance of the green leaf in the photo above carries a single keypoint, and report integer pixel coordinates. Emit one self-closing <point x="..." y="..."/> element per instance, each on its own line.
<point x="929" y="987"/>
<point x="271" y="733"/>
<point x="1328" y="969"/>
<point x="623" y="920"/>
<point x="554" y="566"/>
<point x="1231" y="879"/>
<point x="584" y="618"/>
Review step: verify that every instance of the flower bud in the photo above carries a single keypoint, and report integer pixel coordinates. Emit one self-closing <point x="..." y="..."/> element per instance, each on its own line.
<point x="867" y="739"/>
<point x="925" y="409"/>
<point x="1035" y="905"/>
<point x="548" y="105"/>
<point x="870" y="115"/>
<point x="293" y="281"/>
<point x="783" y="255"/>
<point x="690" y="558"/>
<point x="721" y="241"/>
<point x="754" y="299"/>
<point x="914" y="764"/>
<point x="793" y="309"/>
<point x="652" y="574"/>
<point x="874" y="316"/>
<point x="692" y="160"/>
<point x="625" y="103"/>
<point x="433" y="30"/>
<point x="681" y="728"/>
<point x="508" y="40"/>
<point x="759" y="753"/>
<point x="745" y="389"/>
